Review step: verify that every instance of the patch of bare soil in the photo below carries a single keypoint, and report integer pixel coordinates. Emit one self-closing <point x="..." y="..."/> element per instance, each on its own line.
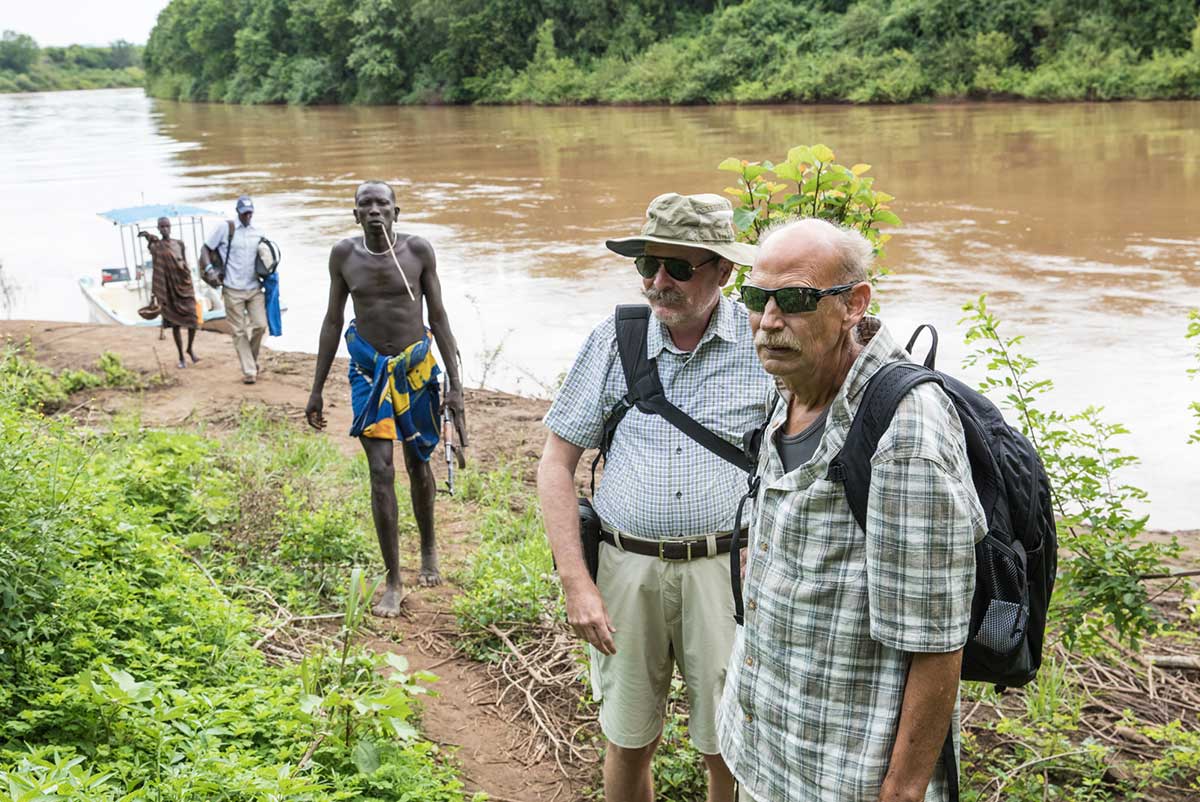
<point x="489" y="735"/>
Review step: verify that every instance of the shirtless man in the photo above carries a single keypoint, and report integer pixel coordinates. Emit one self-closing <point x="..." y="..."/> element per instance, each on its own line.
<point x="387" y="275"/>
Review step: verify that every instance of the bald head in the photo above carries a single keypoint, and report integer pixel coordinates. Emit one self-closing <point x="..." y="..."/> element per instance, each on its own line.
<point x="375" y="183"/>
<point x="831" y="254"/>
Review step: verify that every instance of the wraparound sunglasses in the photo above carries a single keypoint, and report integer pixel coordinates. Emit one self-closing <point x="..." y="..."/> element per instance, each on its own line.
<point x="790" y="300"/>
<point x="678" y="269"/>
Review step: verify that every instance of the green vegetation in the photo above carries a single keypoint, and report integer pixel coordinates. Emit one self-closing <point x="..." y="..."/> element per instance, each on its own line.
<point x="129" y="671"/>
<point x="1091" y="727"/>
<point x="25" y="67"/>
<point x="698" y="51"/>
<point x="1099" y="589"/>
<point x="1193" y="330"/>
<point x="823" y="188"/>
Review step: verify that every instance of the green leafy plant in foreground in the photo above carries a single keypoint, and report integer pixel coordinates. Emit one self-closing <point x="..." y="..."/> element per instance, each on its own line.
<point x="808" y="183"/>
<point x="345" y="697"/>
<point x="1102" y="561"/>
<point x="126" y="673"/>
<point x="30" y="385"/>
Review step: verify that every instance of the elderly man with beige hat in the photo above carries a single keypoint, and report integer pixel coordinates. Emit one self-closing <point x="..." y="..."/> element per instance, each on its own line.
<point x="660" y="596"/>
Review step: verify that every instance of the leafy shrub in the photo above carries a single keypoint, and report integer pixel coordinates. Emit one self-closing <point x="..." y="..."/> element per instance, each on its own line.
<point x="125" y="672"/>
<point x="1103" y="559"/>
<point x="509" y="580"/>
<point x="26" y="384"/>
<point x="317" y="538"/>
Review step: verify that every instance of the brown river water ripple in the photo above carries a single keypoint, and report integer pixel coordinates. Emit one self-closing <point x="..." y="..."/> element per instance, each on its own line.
<point x="1078" y="220"/>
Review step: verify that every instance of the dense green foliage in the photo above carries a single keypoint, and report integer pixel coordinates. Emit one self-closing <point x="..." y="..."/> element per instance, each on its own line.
<point x="1099" y="590"/>
<point x="650" y="51"/>
<point x="1193" y="331"/>
<point x="25" y="67"/>
<point x="128" y="672"/>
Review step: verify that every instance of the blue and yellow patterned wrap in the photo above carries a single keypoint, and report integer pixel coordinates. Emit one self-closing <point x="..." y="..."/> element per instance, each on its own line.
<point x="395" y="397"/>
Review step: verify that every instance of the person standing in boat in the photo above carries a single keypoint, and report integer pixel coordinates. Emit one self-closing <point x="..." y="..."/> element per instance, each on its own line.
<point x="172" y="288"/>
<point x="245" y="304"/>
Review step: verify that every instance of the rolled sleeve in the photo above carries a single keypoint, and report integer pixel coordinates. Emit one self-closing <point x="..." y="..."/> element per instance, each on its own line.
<point x="577" y="414"/>
<point x="216" y="237"/>
<point x="921" y="532"/>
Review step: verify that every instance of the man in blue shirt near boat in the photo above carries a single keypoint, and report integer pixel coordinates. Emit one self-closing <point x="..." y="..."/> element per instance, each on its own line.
<point x="245" y="304"/>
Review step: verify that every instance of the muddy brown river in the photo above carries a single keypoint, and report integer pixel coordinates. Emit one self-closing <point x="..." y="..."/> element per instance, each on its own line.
<point x="1078" y="220"/>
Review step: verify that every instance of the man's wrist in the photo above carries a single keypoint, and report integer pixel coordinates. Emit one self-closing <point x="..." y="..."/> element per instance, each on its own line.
<point x="896" y="791"/>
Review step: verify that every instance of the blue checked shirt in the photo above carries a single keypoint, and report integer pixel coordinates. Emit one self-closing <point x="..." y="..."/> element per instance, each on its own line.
<point x="816" y="679"/>
<point x="657" y="482"/>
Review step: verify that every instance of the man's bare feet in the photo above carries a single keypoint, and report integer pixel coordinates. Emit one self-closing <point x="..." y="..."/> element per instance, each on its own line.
<point x="389" y="603"/>
<point x="195" y="358"/>
<point x="429" y="575"/>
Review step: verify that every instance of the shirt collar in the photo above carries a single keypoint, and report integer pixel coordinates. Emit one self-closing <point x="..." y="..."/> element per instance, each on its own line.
<point x="723" y="324"/>
<point x="881" y="350"/>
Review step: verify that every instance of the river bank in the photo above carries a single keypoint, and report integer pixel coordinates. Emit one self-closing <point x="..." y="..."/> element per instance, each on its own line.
<point x="503" y="427"/>
<point x="677" y="53"/>
<point x="512" y="705"/>
<point x="485" y="737"/>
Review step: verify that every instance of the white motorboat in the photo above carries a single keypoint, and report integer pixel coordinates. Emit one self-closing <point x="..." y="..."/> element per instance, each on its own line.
<point x="122" y="291"/>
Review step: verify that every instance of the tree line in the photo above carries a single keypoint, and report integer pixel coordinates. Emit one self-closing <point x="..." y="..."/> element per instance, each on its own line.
<point x="656" y="51"/>
<point x="26" y="67"/>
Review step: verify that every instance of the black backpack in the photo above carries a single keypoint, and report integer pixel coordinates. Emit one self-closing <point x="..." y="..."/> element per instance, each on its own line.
<point x="1015" y="562"/>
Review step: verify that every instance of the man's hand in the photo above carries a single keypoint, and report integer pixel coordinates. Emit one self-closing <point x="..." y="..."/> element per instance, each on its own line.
<point x="314" y="411"/>
<point x="149" y="237"/>
<point x="453" y="402"/>
<point x="588" y="616"/>
<point x="744" y="563"/>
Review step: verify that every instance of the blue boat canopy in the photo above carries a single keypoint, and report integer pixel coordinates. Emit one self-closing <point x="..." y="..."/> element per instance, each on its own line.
<point x="140" y="214"/>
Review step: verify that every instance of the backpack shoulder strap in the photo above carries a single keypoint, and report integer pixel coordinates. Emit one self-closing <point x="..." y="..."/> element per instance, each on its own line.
<point x="633" y="328"/>
<point x="228" y="241"/>
<point x="633" y="323"/>
<point x="852" y="465"/>
<point x="645" y="390"/>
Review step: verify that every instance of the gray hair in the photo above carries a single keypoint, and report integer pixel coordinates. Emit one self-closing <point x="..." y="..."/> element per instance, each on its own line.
<point x="854" y="251"/>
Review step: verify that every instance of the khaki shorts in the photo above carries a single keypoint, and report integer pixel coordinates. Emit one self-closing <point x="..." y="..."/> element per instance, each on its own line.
<point x="665" y="614"/>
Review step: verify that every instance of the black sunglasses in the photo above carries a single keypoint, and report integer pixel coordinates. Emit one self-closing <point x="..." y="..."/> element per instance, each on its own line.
<point x="790" y="300"/>
<point x="678" y="269"/>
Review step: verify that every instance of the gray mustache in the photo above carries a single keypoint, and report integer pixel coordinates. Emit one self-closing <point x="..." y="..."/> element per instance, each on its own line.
<point x="776" y="339"/>
<point x="668" y="297"/>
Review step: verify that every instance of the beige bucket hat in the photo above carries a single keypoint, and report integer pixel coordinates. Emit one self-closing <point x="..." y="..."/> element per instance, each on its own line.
<point x="697" y="221"/>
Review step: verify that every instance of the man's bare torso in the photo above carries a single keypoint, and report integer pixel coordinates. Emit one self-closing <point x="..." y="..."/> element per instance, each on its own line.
<point x="385" y="315"/>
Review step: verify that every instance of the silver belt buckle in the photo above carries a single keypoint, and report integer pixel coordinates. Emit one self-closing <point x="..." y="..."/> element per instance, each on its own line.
<point x="662" y="554"/>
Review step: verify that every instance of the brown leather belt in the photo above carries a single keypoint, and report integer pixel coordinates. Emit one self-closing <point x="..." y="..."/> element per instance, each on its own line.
<point x="683" y="550"/>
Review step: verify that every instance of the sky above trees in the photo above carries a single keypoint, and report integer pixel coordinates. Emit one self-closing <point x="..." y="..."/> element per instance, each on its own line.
<point x="84" y="22"/>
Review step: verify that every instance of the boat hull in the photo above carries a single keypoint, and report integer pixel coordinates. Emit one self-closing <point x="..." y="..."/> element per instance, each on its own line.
<point x="117" y="302"/>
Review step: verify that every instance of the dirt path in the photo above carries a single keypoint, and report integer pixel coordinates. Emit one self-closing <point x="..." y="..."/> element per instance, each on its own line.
<point x="501" y="426"/>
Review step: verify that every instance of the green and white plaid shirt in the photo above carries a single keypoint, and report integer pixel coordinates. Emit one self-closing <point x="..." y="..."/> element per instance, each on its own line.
<point x="816" y="680"/>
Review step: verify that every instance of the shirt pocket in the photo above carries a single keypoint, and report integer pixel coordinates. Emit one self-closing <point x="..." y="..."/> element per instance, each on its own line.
<point x="824" y="548"/>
